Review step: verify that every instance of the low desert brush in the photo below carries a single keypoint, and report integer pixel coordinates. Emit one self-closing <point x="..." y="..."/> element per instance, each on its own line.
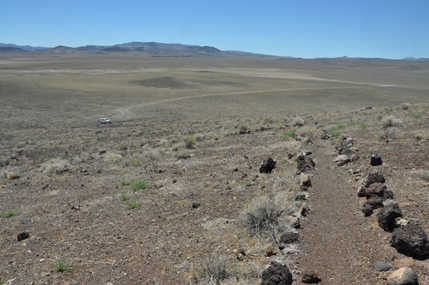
<point x="189" y="142"/>
<point x="297" y="122"/>
<point x="389" y="133"/>
<point x="390" y="121"/>
<point x="261" y="216"/>
<point x="423" y="174"/>
<point x="212" y="269"/>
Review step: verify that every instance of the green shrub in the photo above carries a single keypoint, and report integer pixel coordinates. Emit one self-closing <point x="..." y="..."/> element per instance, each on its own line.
<point x="124" y="197"/>
<point x="134" y="204"/>
<point x="9" y="214"/>
<point x="124" y="182"/>
<point x="61" y="265"/>
<point x="288" y="134"/>
<point x="139" y="184"/>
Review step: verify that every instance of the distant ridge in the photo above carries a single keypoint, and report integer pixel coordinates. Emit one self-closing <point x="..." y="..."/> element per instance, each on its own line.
<point x="143" y="48"/>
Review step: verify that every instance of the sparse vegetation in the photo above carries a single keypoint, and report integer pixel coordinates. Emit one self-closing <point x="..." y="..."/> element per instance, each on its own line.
<point x="288" y="134"/>
<point x="189" y="142"/>
<point x="134" y="204"/>
<point x="389" y="133"/>
<point x="423" y="175"/>
<point x="262" y="214"/>
<point x="9" y="214"/>
<point x="124" y="182"/>
<point x="61" y="265"/>
<point x="297" y="122"/>
<point x="210" y="270"/>
<point x="153" y="157"/>
<point x="390" y="121"/>
<point x="124" y="197"/>
<point x="139" y="184"/>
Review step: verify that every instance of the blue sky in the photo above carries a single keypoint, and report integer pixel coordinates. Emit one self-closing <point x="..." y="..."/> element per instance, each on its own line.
<point x="301" y="28"/>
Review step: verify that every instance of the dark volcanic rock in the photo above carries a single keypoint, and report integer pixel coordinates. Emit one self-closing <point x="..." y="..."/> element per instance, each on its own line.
<point x="387" y="216"/>
<point x="376" y="160"/>
<point x="304" y="164"/>
<point x="375" y="189"/>
<point x="267" y="166"/>
<point x="371" y="204"/>
<point x="22" y="236"/>
<point x="410" y="239"/>
<point x="276" y="274"/>
<point x="374" y="177"/>
<point x="310" y="278"/>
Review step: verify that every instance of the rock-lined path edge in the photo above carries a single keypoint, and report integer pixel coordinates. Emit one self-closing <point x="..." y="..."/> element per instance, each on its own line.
<point x="338" y="243"/>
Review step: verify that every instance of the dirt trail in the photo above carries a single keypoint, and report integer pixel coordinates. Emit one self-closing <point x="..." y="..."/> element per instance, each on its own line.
<point x="338" y="242"/>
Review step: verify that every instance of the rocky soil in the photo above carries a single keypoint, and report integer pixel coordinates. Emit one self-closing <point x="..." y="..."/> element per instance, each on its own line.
<point x="189" y="202"/>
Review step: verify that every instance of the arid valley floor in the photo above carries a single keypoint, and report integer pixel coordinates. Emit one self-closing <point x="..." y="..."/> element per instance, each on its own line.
<point x="165" y="191"/>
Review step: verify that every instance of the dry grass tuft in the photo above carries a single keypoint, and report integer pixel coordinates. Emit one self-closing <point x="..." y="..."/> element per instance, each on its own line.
<point x="390" y="121"/>
<point x="423" y="174"/>
<point x="297" y="122"/>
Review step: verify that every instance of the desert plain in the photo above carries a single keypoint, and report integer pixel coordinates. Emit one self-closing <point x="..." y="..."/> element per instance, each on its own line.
<point x="163" y="195"/>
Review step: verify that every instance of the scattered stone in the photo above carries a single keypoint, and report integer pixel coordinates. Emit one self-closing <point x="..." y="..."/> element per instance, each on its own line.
<point x="403" y="262"/>
<point x="374" y="177"/>
<point x="382" y="266"/>
<point x="12" y="175"/>
<point x="348" y="142"/>
<point x="289" y="237"/>
<point x="387" y="216"/>
<point x="371" y="204"/>
<point x="183" y="157"/>
<point x="300" y="196"/>
<point x="310" y="278"/>
<point x="346" y="151"/>
<point x="276" y="274"/>
<point x="410" y="239"/>
<point x="4" y="163"/>
<point x="375" y="189"/>
<point x="270" y="251"/>
<point x="376" y="160"/>
<point x="22" y="236"/>
<point x="399" y="222"/>
<point x="354" y="157"/>
<point x="325" y="136"/>
<point x="304" y="164"/>
<point x="368" y="209"/>
<point x="403" y="276"/>
<point x="195" y="205"/>
<point x="305" y="181"/>
<point x="267" y="166"/>
<point x="342" y="159"/>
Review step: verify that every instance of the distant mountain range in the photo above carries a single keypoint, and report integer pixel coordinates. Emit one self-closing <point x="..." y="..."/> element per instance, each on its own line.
<point x="145" y="48"/>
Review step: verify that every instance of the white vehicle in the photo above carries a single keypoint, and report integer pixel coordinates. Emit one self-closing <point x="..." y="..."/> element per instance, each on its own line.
<point x="105" y="121"/>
